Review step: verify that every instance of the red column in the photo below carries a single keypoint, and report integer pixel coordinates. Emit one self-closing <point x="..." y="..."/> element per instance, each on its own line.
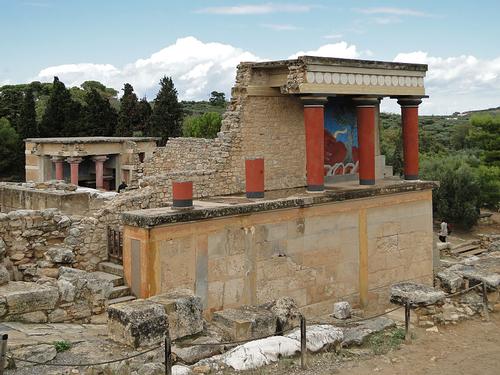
<point x="182" y="193"/>
<point x="58" y="162"/>
<point x="74" y="162"/>
<point x="409" y="122"/>
<point x="99" y="170"/>
<point x="314" y="119"/>
<point x="365" y="113"/>
<point x="254" y="178"/>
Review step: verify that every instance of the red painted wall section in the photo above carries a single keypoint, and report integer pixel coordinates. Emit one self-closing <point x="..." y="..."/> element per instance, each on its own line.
<point x="315" y="146"/>
<point x="366" y="139"/>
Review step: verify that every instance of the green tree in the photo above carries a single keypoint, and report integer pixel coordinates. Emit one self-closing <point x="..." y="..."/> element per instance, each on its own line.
<point x="62" y="115"/>
<point x="128" y="117"/>
<point x="204" y="126"/>
<point x="99" y="118"/>
<point x="144" y="113"/>
<point x="489" y="180"/>
<point x="28" y="127"/>
<point x="11" y="98"/>
<point x="485" y="135"/>
<point x="457" y="199"/>
<point x="217" y="99"/>
<point x="166" y="119"/>
<point x="9" y="141"/>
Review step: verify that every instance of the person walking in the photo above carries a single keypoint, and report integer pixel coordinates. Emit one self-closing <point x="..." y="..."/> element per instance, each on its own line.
<point x="443" y="233"/>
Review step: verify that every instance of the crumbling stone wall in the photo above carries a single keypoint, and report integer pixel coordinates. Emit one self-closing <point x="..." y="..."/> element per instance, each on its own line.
<point x="253" y="126"/>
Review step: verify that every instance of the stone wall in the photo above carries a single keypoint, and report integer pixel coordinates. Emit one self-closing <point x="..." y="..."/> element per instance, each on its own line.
<point x="269" y="126"/>
<point x="350" y="250"/>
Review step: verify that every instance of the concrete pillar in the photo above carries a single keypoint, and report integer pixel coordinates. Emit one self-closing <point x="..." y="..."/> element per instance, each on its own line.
<point x="254" y="177"/>
<point x="74" y="163"/>
<point x="182" y="193"/>
<point x="99" y="170"/>
<point x="365" y="113"/>
<point x="59" y="166"/>
<point x="409" y="122"/>
<point x="314" y="122"/>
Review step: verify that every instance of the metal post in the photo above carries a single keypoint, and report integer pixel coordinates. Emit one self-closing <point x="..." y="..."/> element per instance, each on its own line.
<point x="303" y="343"/>
<point x="168" y="354"/>
<point x="407" y="321"/>
<point x="3" y="352"/>
<point x="485" y="302"/>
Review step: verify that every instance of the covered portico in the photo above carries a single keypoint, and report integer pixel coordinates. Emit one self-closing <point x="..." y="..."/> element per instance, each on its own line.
<point x="341" y="105"/>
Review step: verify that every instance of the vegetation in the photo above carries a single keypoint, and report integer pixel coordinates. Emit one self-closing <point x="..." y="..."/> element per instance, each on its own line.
<point x="62" y="346"/>
<point x="461" y="152"/>
<point x="204" y="126"/>
<point x="383" y="342"/>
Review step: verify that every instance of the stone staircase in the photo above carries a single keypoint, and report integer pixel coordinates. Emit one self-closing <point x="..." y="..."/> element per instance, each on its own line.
<point x="114" y="272"/>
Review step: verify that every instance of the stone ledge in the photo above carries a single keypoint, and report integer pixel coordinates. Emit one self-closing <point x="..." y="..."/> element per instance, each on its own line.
<point x="205" y="210"/>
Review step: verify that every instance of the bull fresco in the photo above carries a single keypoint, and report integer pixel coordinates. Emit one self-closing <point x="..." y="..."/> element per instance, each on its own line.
<point x="341" y="138"/>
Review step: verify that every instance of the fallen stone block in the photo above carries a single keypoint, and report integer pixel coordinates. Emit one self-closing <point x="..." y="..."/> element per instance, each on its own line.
<point x="137" y="323"/>
<point x="474" y="272"/>
<point x="184" y="311"/>
<point x="342" y="310"/>
<point x="450" y="281"/>
<point x="358" y="334"/>
<point x="443" y="245"/>
<point x="39" y="353"/>
<point x="245" y="322"/>
<point x="193" y="354"/>
<point x="415" y="294"/>
<point x="24" y="297"/>
<point x="61" y="255"/>
<point x="258" y="353"/>
<point x="286" y="311"/>
<point x="319" y="337"/>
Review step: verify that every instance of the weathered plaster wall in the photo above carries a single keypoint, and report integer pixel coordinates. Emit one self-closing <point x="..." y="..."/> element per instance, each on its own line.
<point x="346" y="250"/>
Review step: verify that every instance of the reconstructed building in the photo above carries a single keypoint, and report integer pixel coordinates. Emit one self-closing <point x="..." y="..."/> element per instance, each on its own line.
<point x="333" y="223"/>
<point x="98" y="162"/>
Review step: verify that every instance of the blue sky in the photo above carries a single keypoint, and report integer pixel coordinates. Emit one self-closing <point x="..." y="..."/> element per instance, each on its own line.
<point x="118" y="40"/>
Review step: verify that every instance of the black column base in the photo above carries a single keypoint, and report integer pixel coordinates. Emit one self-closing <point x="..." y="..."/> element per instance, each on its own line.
<point x="255" y="194"/>
<point x="363" y="181"/>
<point x="315" y="188"/>
<point x="411" y="177"/>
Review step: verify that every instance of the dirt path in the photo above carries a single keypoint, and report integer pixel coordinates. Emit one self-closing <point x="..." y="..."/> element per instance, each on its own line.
<point x="469" y="348"/>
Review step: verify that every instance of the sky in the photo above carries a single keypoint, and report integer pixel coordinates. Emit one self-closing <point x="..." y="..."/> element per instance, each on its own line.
<point x="200" y="43"/>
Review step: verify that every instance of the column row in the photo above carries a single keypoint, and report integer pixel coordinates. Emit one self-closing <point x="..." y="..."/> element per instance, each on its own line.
<point x="74" y="163"/>
<point x="365" y="113"/>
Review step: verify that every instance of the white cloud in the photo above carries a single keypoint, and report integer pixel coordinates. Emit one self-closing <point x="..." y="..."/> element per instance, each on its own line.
<point x="246" y="9"/>
<point x="197" y="68"/>
<point x="457" y="83"/>
<point x="392" y="11"/>
<point x="340" y="49"/>
<point x="280" y="27"/>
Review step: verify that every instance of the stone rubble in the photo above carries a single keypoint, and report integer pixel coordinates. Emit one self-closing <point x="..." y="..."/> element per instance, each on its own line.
<point x="342" y="310"/>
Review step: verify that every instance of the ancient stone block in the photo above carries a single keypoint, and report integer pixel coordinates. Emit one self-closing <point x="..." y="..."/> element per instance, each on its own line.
<point x="286" y="311"/>
<point x="357" y="334"/>
<point x="61" y="255"/>
<point x="184" y="311"/>
<point x="23" y="297"/>
<point x="38" y="353"/>
<point x="245" y="322"/>
<point x="450" y="281"/>
<point x="415" y="294"/>
<point x="4" y="275"/>
<point x="342" y="310"/>
<point x="137" y="323"/>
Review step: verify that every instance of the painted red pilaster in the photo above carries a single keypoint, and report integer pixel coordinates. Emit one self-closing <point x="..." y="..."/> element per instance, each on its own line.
<point x="182" y="193"/>
<point x="99" y="170"/>
<point x="409" y="123"/>
<point x="314" y="118"/>
<point x="74" y="165"/>
<point x="365" y="112"/>
<point x="59" y="167"/>
<point x="254" y="177"/>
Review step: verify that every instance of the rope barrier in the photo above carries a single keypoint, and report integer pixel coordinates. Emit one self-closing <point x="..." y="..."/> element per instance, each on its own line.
<point x="83" y="364"/>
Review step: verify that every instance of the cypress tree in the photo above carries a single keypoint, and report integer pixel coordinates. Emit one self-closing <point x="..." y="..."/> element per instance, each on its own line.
<point x="144" y="113"/>
<point x="28" y="127"/>
<point x="62" y="114"/>
<point x="128" y="117"/>
<point x="166" y="120"/>
<point x="99" y="118"/>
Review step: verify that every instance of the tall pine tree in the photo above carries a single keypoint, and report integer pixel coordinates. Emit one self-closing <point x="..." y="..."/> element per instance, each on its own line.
<point x="99" y="118"/>
<point x="144" y="112"/>
<point x="27" y="127"/>
<point x="128" y="118"/>
<point x="166" y="120"/>
<point x="62" y="114"/>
